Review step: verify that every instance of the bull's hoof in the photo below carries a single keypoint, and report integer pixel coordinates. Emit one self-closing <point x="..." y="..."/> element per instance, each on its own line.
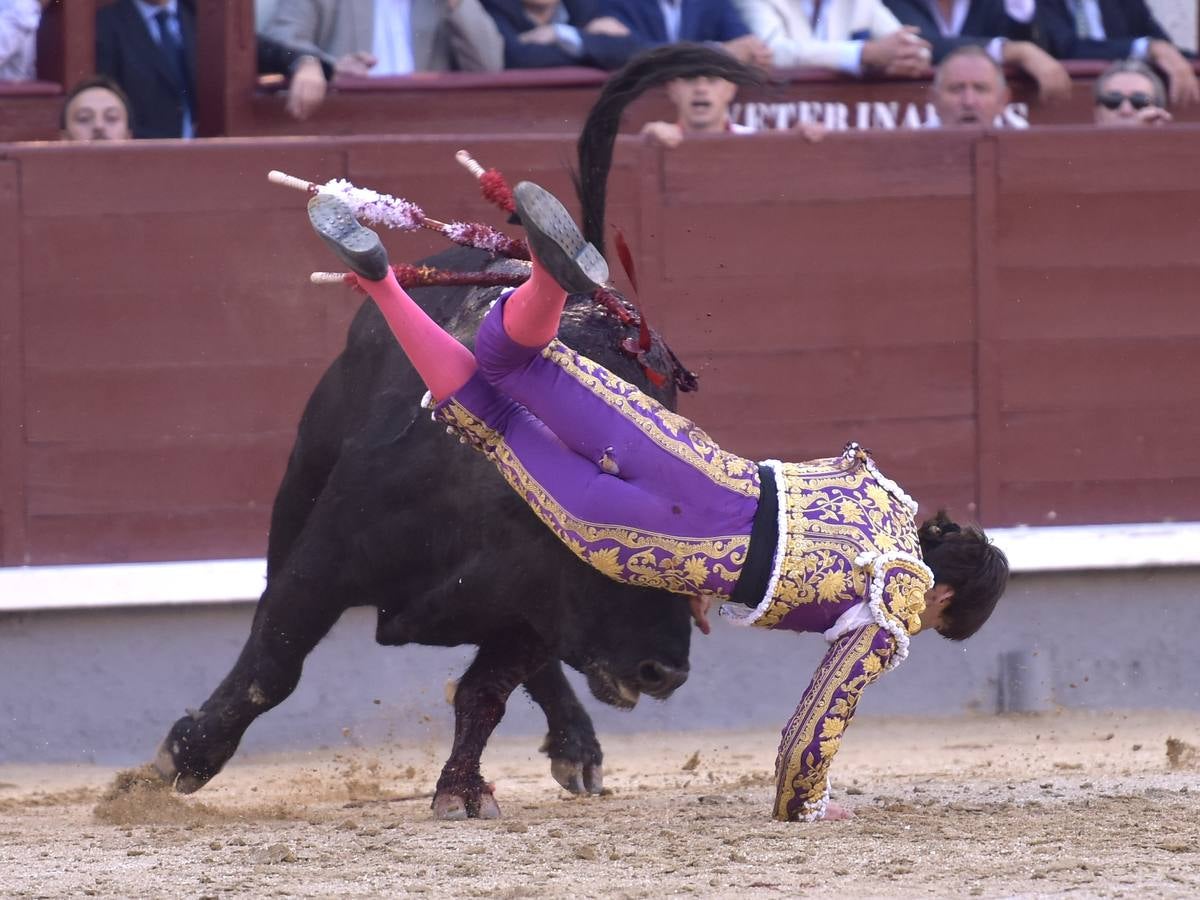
<point x="449" y="807"/>
<point x="164" y="766"/>
<point x="578" y="778"/>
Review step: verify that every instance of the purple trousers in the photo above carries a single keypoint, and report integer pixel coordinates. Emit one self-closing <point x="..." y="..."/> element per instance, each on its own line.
<point x="635" y="490"/>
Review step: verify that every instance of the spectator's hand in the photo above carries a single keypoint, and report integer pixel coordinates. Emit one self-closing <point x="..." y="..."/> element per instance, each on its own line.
<point x="835" y="812"/>
<point x="543" y="34"/>
<point x="1181" y="78"/>
<point x="357" y="63"/>
<point x="306" y="91"/>
<point x="813" y="132"/>
<point x="1054" y="84"/>
<point x="1153" y="115"/>
<point x="751" y="50"/>
<point x="902" y="52"/>
<point x="607" y="25"/>
<point x="664" y="134"/>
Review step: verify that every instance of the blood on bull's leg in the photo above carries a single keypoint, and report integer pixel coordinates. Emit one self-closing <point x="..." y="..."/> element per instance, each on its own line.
<point x="575" y="755"/>
<point x="511" y="659"/>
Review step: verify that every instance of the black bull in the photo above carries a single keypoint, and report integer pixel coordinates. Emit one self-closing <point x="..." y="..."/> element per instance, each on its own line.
<point x="380" y="507"/>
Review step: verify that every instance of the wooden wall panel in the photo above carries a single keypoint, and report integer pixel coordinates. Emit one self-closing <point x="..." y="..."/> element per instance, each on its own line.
<point x="12" y="378"/>
<point x="1009" y="348"/>
<point x="97" y="479"/>
<point x="154" y="536"/>
<point x="1098" y="345"/>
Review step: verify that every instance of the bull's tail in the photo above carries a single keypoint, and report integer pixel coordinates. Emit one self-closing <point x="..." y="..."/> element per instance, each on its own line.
<point x="641" y="73"/>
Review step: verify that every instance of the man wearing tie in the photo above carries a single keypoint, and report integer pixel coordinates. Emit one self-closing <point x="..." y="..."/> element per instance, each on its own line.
<point x="653" y="23"/>
<point x="149" y="48"/>
<point x="1116" y="29"/>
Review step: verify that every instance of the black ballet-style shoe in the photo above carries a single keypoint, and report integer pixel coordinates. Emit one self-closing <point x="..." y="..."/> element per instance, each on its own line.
<point x="555" y="240"/>
<point x="355" y="244"/>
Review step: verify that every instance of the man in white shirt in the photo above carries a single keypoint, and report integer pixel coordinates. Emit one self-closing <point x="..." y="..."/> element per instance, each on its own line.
<point x="391" y="37"/>
<point x="18" y="38"/>
<point x="857" y="37"/>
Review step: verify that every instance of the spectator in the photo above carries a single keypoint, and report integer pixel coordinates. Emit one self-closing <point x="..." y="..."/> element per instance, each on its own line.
<point x="1129" y="94"/>
<point x="969" y="89"/>
<point x="391" y="37"/>
<point x="96" y="109"/>
<point x="148" y="47"/>
<point x="1116" y="29"/>
<point x="18" y="38"/>
<point x="702" y="104"/>
<point x="657" y="22"/>
<point x="540" y="33"/>
<point x="853" y="36"/>
<point x="308" y="75"/>
<point x="1004" y="27"/>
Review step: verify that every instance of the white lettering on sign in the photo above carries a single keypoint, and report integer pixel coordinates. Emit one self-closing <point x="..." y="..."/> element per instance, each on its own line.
<point x="889" y="115"/>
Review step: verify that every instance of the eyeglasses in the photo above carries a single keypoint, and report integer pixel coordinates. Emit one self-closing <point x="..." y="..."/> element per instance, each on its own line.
<point x="1114" y="99"/>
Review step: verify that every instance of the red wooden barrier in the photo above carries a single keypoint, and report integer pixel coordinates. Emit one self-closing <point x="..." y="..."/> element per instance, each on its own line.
<point x="1007" y="320"/>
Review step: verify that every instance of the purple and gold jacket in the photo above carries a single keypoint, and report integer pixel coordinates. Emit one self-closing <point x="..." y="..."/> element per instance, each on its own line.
<point x="847" y="564"/>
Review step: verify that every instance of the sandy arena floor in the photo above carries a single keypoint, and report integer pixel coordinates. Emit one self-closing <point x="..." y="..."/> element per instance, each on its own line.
<point x="1090" y="805"/>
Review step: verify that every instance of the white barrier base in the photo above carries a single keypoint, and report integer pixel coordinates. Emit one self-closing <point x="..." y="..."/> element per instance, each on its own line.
<point x="1064" y="548"/>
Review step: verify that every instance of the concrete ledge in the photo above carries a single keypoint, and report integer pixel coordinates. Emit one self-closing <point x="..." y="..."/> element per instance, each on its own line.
<point x="1067" y="548"/>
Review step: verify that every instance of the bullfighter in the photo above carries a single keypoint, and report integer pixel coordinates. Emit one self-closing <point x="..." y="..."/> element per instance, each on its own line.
<point x="646" y="497"/>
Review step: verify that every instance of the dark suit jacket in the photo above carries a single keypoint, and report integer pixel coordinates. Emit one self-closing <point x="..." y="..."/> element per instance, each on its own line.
<point x="278" y="58"/>
<point x="986" y="19"/>
<point x="127" y="53"/>
<point x="702" y="20"/>
<point x="600" y="51"/>
<point x="1124" y="21"/>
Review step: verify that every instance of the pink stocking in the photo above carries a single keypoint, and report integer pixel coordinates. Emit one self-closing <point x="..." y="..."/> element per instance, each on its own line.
<point x="443" y="363"/>
<point x="531" y="314"/>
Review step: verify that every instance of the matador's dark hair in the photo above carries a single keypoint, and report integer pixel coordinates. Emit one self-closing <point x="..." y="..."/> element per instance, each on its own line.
<point x="641" y="73"/>
<point x="966" y="560"/>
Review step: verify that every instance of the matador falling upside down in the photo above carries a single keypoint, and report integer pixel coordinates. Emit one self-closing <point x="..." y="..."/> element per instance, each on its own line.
<point x="644" y="496"/>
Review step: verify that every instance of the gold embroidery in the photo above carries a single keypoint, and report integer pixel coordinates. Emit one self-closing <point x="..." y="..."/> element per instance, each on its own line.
<point x="679" y="564"/>
<point x="835" y="511"/>
<point x="904" y="593"/>
<point x="670" y="431"/>
<point x="829" y="703"/>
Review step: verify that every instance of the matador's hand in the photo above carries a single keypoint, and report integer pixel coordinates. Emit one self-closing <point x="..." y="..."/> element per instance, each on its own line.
<point x="701" y="604"/>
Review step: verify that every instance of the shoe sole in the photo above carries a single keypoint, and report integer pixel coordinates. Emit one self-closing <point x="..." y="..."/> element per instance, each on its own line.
<point x="555" y="240"/>
<point x="356" y="245"/>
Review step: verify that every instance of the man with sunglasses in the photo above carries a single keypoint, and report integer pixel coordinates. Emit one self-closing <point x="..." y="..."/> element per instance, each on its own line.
<point x="1129" y="95"/>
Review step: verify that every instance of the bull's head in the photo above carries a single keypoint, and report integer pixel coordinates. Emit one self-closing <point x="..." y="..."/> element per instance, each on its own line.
<point x="628" y="641"/>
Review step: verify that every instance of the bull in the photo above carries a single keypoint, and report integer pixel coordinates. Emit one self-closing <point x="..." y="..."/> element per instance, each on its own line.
<point x="378" y="508"/>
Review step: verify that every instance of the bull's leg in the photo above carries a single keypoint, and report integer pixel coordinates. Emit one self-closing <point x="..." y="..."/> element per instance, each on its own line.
<point x="288" y="624"/>
<point x="575" y="755"/>
<point x="512" y="658"/>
